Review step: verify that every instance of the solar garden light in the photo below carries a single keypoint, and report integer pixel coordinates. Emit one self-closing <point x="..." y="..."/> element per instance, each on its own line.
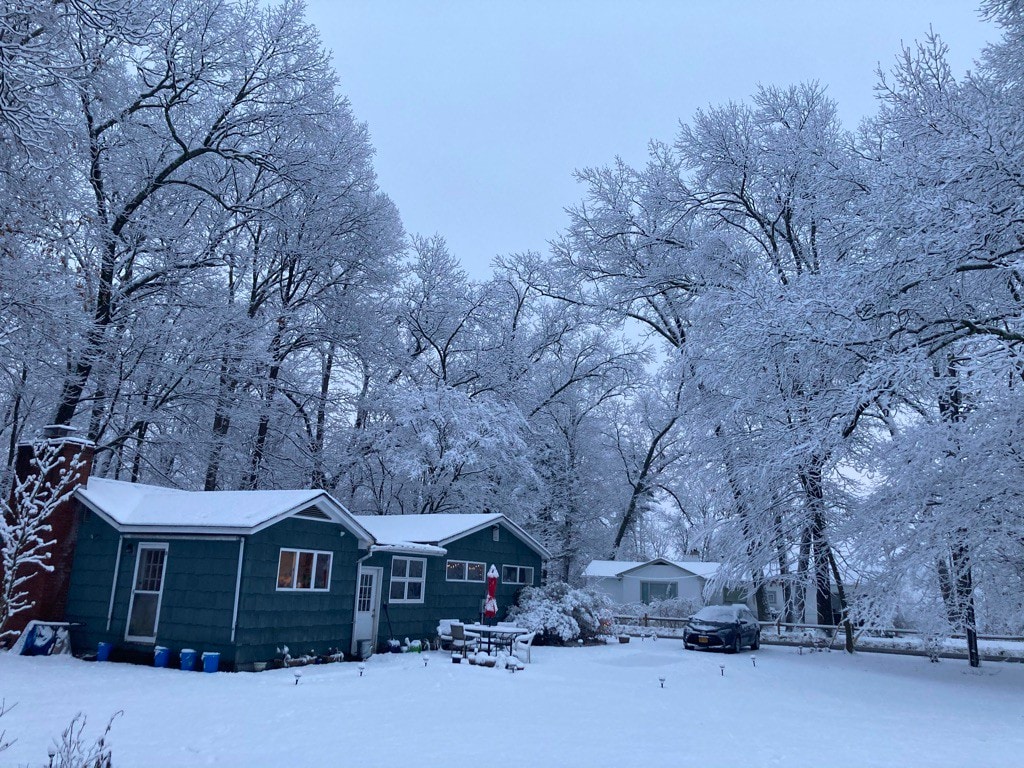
<point x="753" y="660"/>
<point x="425" y="660"/>
<point x="722" y="667"/>
<point x="662" y="681"/>
<point x="298" y="675"/>
<point x="362" y="668"/>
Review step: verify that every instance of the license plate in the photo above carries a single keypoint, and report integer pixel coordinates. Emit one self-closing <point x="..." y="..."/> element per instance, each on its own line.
<point x="702" y="639"/>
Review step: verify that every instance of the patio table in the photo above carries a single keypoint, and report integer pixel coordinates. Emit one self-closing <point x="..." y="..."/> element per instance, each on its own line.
<point x="503" y="635"/>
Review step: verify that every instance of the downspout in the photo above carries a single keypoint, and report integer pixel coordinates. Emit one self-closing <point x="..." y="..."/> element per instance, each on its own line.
<point x="238" y="586"/>
<point x="113" y="584"/>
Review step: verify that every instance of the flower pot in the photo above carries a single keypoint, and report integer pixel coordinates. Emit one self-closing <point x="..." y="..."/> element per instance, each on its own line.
<point x="623" y="638"/>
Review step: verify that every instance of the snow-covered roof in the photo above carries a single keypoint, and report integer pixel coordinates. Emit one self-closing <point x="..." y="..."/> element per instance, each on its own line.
<point x="438" y="530"/>
<point x="608" y="569"/>
<point x="134" y="507"/>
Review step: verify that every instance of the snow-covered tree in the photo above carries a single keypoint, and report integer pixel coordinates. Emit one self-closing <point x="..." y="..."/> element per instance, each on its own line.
<point x="25" y="541"/>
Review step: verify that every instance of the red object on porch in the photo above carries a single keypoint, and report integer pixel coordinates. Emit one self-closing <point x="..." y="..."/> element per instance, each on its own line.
<point x="491" y="604"/>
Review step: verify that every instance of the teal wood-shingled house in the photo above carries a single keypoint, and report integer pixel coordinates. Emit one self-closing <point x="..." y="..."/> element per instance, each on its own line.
<point x="244" y="573"/>
<point x="434" y="567"/>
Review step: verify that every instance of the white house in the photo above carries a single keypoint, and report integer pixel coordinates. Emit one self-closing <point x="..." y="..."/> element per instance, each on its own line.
<point x="658" y="579"/>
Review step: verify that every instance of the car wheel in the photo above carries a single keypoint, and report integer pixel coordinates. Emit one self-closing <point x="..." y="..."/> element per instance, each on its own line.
<point x="737" y="644"/>
<point x="757" y="642"/>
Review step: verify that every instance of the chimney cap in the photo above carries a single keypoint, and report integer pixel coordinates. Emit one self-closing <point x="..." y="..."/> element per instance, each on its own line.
<point x="53" y="431"/>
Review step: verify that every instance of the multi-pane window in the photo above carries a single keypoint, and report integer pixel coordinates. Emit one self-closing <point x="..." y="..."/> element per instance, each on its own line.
<point x="302" y="569"/>
<point x="408" y="576"/>
<point x="516" y="574"/>
<point x="365" y="597"/>
<point x="773" y="599"/>
<point x="463" y="570"/>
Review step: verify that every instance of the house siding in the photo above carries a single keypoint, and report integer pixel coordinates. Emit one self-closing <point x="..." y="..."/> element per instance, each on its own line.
<point x="197" y="600"/>
<point x="91" y="575"/>
<point x="449" y="599"/>
<point x="304" y="621"/>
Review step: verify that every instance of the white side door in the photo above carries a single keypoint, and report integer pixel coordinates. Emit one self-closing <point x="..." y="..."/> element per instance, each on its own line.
<point x="364" y="626"/>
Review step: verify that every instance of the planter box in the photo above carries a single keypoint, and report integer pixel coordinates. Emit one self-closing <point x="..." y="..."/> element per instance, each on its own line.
<point x="623" y="638"/>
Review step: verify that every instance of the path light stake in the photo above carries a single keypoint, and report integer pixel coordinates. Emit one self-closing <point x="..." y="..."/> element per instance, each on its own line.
<point x="722" y="667"/>
<point x="662" y="681"/>
<point x="425" y="660"/>
<point x="753" y="660"/>
<point x="362" y="668"/>
<point x="297" y="676"/>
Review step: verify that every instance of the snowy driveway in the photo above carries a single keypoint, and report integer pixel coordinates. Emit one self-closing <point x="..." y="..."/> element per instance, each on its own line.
<point x="599" y="706"/>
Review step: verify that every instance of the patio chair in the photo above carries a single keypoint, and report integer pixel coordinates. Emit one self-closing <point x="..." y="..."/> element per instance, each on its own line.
<point x="522" y="645"/>
<point x="464" y="641"/>
<point x="444" y="633"/>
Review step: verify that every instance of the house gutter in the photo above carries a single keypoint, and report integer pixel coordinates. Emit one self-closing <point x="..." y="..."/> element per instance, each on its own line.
<point x="113" y="584"/>
<point x="238" y="586"/>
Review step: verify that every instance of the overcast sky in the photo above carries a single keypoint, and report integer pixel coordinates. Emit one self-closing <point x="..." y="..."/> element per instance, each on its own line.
<point x="480" y="111"/>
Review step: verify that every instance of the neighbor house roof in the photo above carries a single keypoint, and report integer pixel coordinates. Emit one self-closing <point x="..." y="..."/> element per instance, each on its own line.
<point x="395" y="531"/>
<point x="610" y="569"/>
<point x="138" y="508"/>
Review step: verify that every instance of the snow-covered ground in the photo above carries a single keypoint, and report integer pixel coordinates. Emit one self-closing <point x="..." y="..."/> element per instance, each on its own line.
<point x="594" y="706"/>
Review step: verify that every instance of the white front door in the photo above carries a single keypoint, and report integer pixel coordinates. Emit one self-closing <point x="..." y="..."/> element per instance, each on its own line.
<point x="364" y="627"/>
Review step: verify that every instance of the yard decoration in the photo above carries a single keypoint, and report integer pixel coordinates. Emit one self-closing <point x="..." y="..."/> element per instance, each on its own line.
<point x="662" y="681"/>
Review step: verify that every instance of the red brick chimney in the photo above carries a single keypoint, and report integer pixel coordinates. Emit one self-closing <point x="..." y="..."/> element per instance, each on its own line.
<point x="49" y="589"/>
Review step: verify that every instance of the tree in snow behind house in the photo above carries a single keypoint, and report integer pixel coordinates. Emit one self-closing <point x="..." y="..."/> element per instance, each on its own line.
<point x="25" y="530"/>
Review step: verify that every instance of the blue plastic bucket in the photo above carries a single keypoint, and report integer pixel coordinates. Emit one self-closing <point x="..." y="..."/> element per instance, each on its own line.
<point x="103" y="651"/>
<point x="188" y="659"/>
<point x="161" y="656"/>
<point x="211" y="660"/>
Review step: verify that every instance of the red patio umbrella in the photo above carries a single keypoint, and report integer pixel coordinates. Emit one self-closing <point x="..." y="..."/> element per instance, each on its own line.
<point x="491" y="604"/>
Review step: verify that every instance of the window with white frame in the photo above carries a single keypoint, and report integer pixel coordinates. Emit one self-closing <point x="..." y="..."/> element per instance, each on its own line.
<point x="516" y="574"/>
<point x="304" y="570"/>
<point x="408" y="577"/>
<point x="465" y="570"/>
<point x="773" y="599"/>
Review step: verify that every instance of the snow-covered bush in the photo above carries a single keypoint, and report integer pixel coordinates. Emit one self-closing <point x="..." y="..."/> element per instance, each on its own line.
<point x="560" y="613"/>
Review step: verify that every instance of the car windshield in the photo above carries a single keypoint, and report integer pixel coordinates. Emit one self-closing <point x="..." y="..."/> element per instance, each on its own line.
<point x="722" y="613"/>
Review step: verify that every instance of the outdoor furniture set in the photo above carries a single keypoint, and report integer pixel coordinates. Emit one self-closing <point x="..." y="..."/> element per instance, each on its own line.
<point x="492" y="639"/>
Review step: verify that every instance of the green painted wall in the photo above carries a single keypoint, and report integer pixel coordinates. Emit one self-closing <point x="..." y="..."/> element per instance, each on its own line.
<point x="454" y="600"/>
<point x="303" y="621"/>
<point x="197" y="600"/>
<point x="91" y="575"/>
<point x="199" y="588"/>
